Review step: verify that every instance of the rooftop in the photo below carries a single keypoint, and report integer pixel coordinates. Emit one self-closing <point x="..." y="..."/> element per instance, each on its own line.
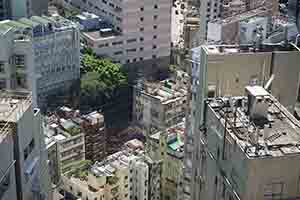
<point x="167" y="91"/>
<point x="259" y="124"/>
<point x="242" y="16"/>
<point x="13" y="105"/>
<point x="53" y="23"/>
<point x="174" y="139"/>
<point x="240" y="49"/>
<point x="115" y="162"/>
<point x="97" y="35"/>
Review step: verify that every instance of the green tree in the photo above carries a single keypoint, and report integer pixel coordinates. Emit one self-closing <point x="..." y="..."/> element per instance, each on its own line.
<point x="100" y="79"/>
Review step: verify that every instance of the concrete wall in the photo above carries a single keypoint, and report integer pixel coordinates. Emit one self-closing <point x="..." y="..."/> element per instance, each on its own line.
<point x="7" y="166"/>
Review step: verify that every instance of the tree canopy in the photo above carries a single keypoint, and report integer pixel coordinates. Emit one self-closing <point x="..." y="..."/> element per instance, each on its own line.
<point x="100" y="77"/>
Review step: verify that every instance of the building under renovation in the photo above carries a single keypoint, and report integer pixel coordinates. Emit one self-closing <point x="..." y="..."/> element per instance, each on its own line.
<point x="249" y="148"/>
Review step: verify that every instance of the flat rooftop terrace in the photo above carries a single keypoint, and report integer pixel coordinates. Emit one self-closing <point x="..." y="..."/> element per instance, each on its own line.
<point x="97" y="36"/>
<point x="247" y="48"/>
<point x="13" y="105"/>
<point x="276" y="135"/>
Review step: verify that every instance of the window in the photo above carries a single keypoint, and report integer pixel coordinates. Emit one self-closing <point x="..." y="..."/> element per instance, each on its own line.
<point x="101" y="45"/>
<point x="2" y="84"/>
<point x="79" y="194"/>
<point x="131" y="40"/>
<point x="153" y="56"/>
<point x="19" y="61"/>
<point x="71" y="188"/>
<point x="104" y="1"/>
<point x="141" y="48"/>
<point x="141" y="39"/>
<point x="155" y="27"/>
<point x="154" y="36"/>
<point x="154" y="47"/>
<point x="141" y="29"/>
<point x="2" y="69"/>
<point x="131" y="50"/>
<point x="141" y="58"/>
<point x="142" y="19"/>
<point x="111" y="5"/>
<point x="155" y="6"/>
<point x="134" y="60"/>
<point x="128" y="61"/>
<point x="142" y="8"/>
<point x="118" y="53"/>
<point x="126" y="177"/>
<point x="155" y="17"/>
<point x="117" y="43"/>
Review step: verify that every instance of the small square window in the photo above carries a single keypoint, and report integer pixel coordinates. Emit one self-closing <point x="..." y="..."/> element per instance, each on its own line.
<point x="141" y="29"/>
<point x="154" y="47"/>
<point x="155" y="17"/>
<point x="142" y="8"/>
<point x="155" y="26"/>
<point x="153" y="56"/>
<point x="142" y="19"/>
<point x="141" y="39"/>
<point x="141" y="48"/>
<point x="154" y="36"/>
<point x="155" y="6"/>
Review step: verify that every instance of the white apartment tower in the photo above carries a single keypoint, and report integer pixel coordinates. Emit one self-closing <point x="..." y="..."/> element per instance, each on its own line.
<point x="32" y="180"/>
<point x="40" y="54"/>
<point x="142" y="30"/>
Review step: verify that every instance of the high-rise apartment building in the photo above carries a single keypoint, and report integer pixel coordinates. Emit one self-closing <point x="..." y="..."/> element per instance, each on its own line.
<point x="14" y="9"/>
<point x="40" y="54"/>
<point x="31" y="170"/>
<point x="141" y="30"/>
<point x="249" y="148"/>
<point x="225" y="71"/>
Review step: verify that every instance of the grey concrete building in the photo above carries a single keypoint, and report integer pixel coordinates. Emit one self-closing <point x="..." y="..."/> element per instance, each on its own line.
<point x="31" y="169"/>
<point x="40" y="54"/>
<point x="225" y="71"/>
<point x="249" y="148"/>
